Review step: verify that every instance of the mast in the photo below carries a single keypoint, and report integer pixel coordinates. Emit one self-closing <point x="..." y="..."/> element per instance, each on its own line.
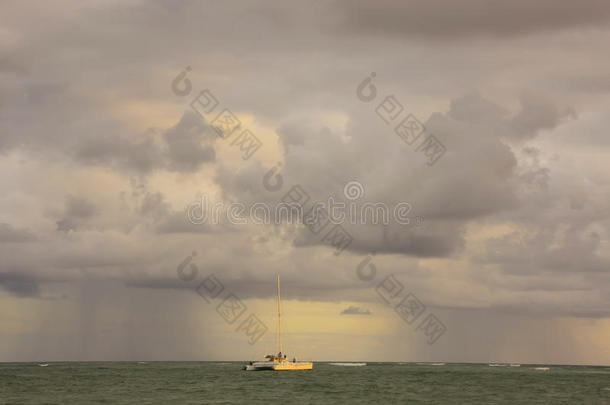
<point x="279" y="324"/>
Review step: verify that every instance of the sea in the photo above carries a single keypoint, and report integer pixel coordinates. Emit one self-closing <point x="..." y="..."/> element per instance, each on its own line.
<point x="327" y="383"/>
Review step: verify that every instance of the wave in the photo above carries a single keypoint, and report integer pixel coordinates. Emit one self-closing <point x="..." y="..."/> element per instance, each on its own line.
<point x="542" y="368"/>
<point x="348" y="364"/>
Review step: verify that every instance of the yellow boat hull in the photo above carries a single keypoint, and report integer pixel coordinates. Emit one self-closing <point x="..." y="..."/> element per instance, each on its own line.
<point x="279" y="366"/>
<point x="293" y="366"/>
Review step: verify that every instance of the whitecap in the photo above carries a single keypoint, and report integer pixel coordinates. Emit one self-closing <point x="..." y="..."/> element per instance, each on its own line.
<point x="348" y="364"/>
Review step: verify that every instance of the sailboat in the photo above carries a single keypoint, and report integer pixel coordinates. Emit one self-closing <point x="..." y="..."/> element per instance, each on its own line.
<point x="279" y="361"/>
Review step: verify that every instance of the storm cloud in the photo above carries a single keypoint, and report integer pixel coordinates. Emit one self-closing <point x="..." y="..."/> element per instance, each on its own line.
<point x="101" y="161"/>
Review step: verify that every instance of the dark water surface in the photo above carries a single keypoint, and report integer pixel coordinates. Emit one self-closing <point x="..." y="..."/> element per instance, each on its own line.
<point x="225" y="383"/>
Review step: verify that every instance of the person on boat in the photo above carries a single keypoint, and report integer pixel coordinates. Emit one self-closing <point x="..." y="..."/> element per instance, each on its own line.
<point x="294" y="359"/>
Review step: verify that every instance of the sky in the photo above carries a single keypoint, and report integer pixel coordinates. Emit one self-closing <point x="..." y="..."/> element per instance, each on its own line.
<point x="114" y="137"/>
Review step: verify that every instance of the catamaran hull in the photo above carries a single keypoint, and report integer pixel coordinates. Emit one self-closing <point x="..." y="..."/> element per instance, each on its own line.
<point x="255" y="368"/>
<point x="293" y="366"/>
<point x="279" y="366"/>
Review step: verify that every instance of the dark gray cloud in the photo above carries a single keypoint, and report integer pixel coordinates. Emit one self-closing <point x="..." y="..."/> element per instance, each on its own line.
<point x="595" y="84"/>
<point x="354" y="310"/>
<point x="183" y="148"/>
<point x="10" y="234"/>
<point x="19" y="284"/>
<point x="77" y="212"/>
<point x="476" y="178"/>
<point x="538" y="113"/>
<point x="480" y="18"/>
<point x="186" y="150"/>
<point x="140" y="154"/>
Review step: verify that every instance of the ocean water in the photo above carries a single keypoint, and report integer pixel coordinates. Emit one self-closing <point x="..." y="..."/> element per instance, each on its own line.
<point x="226" y="383"/>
